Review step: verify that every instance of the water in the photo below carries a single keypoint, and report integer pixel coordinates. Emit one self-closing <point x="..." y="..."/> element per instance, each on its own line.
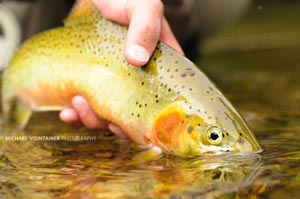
<point x="262" y="82"/>
<point x="264" y="86"/>
<point x="104" y="169"/>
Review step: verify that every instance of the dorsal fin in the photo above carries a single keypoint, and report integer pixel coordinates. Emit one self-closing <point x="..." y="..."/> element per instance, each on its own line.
<point x="84" y="11"/>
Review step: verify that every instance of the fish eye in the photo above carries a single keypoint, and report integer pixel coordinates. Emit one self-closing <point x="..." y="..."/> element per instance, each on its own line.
<point x="214" y="135"/>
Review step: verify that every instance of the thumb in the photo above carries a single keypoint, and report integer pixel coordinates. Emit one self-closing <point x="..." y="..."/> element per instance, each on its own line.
<point x="144" y="30"/>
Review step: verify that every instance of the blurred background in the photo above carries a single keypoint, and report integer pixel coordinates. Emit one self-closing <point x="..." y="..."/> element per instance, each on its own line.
<point x="193" y="21"/>
<point x="251" y="50"/>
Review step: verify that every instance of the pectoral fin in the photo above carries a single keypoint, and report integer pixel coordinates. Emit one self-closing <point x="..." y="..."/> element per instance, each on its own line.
<point x="22" y="114"/>
<point x="148" y="155"/>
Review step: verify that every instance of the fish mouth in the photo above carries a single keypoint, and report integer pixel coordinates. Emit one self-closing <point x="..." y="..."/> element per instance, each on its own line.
<point x="239" y="148"/>
<point x="248" y="146"/>
<point x="215" y="150"/>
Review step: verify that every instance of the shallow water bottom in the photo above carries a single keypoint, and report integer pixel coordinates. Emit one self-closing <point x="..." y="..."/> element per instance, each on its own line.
<point x="264" y="87"/>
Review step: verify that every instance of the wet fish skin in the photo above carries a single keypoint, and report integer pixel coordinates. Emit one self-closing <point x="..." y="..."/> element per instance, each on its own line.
<point x="169" y="103"/>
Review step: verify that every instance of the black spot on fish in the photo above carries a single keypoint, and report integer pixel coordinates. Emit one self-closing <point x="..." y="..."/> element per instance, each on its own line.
<point x="178" y="92"/>
<point x="156" y="96"/>
<point x="138" y="115"/>
<point x="183" y="86"/>
<point x="128" y="74"/>
<point x="146" y="104"/>
<point x="223" y="135"/>
<point x="136" y="102"/>
<point x="198" y="110"/>
<point x="176" y="70"/>
<point x="168" y="70"/>
<point x="183" y="75"/>
<point x="190" y="89"/>
<point x="169" y="90"/>
<point x="193" y="74"/>
<point x="211" y="99"/>
<point x="190" y="107"/>
<point x="190" y="129"/>
<point x="209" y="117"/>
<point x="198" y="124"/>
<point x="140" y="105"/>
<point x="189" y="69"/>
<point x="240" y="134"/>
<point x="172" y="76"/>
<point x="154" y="59"/>
<point x="142" y="83"/>
<point x="132" y="114"/>
<point x="207" y="92"/>
<point x="227" y="134"/>
<point x="156" y="101"/>
<point x="161" y="67"/>
<point x="176" y="62"/>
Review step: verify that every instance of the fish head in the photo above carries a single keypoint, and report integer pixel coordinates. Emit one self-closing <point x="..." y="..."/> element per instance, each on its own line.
<point x="188" y="134"/>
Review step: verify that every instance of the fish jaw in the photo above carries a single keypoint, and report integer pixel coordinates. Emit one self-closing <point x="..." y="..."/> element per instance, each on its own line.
<point x="187" y="135"/>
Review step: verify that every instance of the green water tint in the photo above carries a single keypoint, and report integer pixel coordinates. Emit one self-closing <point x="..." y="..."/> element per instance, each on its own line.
<point x="99" y="169"/>
<point x="263" y="84"/>
<point x="103" y="168"/>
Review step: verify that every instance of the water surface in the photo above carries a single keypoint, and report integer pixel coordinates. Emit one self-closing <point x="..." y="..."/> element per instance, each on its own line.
<point x="262" y="82"/>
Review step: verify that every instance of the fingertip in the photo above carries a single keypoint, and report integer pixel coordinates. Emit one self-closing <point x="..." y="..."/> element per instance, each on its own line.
<point x="69" y="115"/>
<point x="87" y="115"/>
<point x="117" y="131"/>
<point x="136" y="54"/>
<point x="80" y="105"/>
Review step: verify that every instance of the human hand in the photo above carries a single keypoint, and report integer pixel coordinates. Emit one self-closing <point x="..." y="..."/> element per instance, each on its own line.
<point x="81" y="114"/>
<point x="147" y="25"/>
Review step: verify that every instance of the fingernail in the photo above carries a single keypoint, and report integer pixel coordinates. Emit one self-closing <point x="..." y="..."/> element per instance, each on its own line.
<point x="80" y="105"/>
<point x="138" y="53"/>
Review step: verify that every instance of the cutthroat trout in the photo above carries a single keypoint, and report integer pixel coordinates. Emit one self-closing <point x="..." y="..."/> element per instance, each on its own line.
<point x="169" y="103"/>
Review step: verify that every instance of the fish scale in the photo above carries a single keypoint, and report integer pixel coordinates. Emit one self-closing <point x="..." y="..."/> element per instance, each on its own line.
<point x="169" y="103"/>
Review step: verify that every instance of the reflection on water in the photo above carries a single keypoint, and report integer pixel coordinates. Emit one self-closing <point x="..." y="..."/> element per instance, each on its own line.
<point x="92" y="169"/>
<point x="263" y="84"/>
<point x="267" y="95"/>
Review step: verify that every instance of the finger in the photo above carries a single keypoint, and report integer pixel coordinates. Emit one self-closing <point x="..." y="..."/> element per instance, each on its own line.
<point x="144" y="30"/>
<point x="168" y="37"/>
<point x="113" y="10"/>
<point x="117" y="131"/>
<point x="70" y="116"/>
<point x="86" y="114"/>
